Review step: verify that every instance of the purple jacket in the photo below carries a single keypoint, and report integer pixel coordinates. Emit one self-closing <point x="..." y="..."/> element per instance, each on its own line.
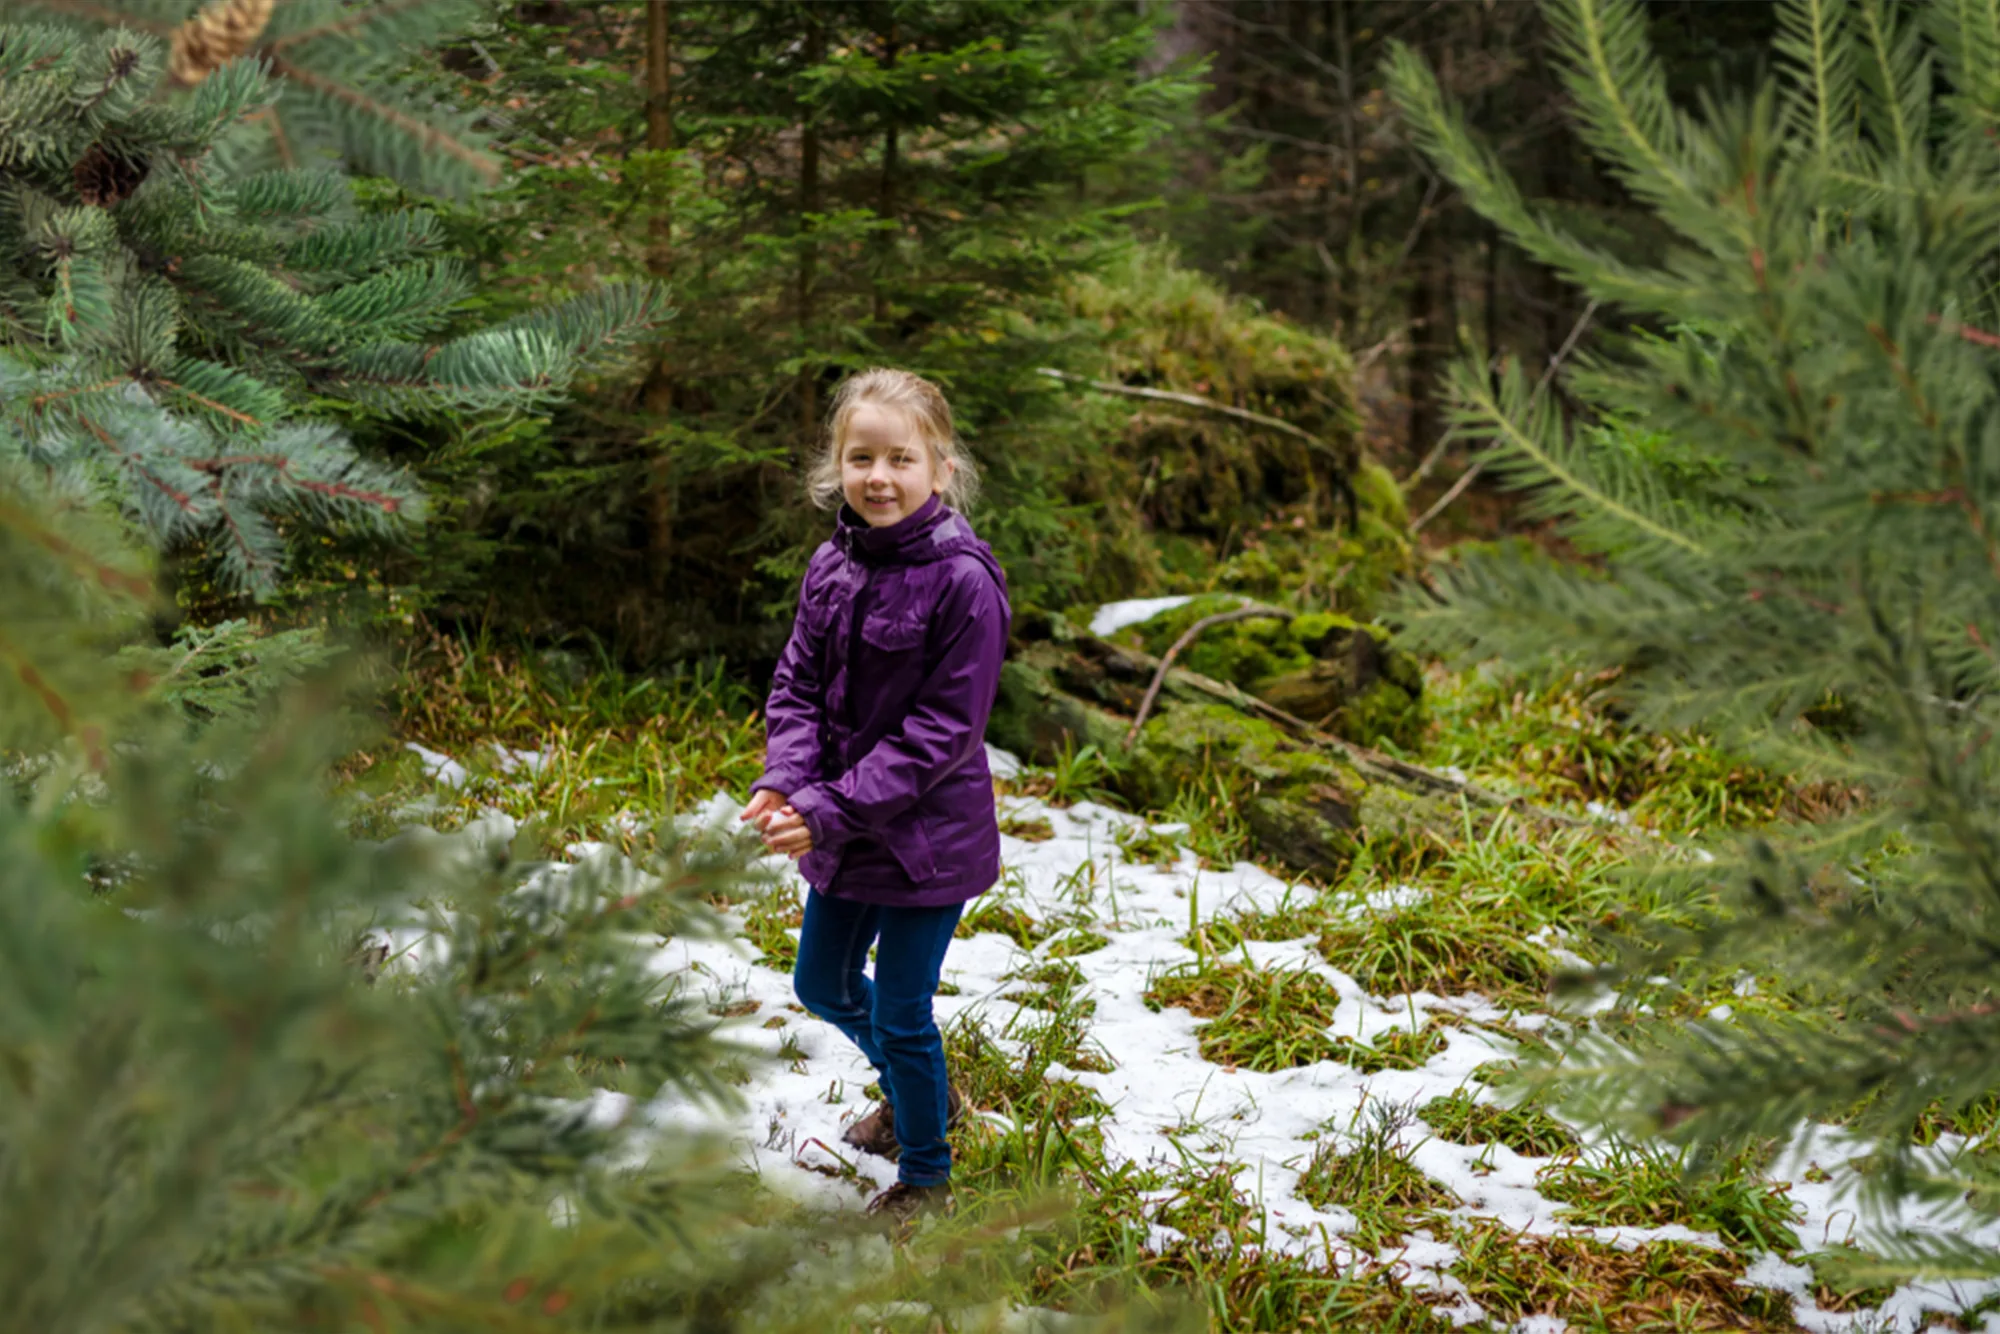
<point x="876" y="722"/>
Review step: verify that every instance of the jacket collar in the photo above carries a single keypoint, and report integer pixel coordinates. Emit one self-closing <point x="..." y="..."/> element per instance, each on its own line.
<point x="931" y="533"/>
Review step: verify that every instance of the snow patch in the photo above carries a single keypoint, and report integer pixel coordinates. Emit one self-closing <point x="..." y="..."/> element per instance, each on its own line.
<point x="440" y="768"/>
<point x="1170" y="1109"/>
<point x="1115" y="616"/>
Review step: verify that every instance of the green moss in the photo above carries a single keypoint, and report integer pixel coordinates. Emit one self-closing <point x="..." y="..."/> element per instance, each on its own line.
<point x="1328" y="668"/>
<point x="1377" y="493"/>
<point x="1240" y="651"/>
<point x="1037" y="721"/>
<point x="1383" y="712"/>
<point x="1299" y="804"/>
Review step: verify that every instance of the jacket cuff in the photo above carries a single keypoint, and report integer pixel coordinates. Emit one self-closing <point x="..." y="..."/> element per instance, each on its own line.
<point x="822" y="816"/>
<point x="780" y="782"/>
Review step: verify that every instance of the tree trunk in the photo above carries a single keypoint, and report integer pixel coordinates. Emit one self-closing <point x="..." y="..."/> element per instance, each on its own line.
<point x="808" y="390"/>
<point x="1421" y="378"/>
<point x="658" y="395"/>
<point x="885" y="204"/>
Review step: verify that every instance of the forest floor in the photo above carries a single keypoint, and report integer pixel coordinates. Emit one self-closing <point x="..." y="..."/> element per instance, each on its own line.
<point x="1289" y="1098"/>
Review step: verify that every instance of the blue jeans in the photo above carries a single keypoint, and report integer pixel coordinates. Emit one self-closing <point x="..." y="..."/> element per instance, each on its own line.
<point x="889" y="1018"/>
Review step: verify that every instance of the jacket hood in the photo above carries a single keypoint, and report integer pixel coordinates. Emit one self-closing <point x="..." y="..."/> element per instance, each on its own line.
<point x="933" y="533"/>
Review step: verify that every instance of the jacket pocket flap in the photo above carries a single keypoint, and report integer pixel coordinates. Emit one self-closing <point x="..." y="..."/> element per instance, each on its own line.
<point x="893" y="634"/>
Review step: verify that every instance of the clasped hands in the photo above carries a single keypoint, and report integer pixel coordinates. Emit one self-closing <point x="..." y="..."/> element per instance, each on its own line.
<point x="783" y="828"/>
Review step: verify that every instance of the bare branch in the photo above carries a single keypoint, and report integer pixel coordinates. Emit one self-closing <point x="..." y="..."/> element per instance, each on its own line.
<point x="1196" y="401"/>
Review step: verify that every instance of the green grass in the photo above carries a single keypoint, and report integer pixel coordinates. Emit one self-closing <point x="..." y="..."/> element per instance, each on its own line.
<point x="1564" y="745"/>
<point x="1143" y="844"/>
<point x="1211" y="811"/>
<point x="1478" y="923"/>
<point x="1663" y="1286"/>
<point x="1054" y="984"/>
<point x="1374" y="1180"/>
<point x="612" y="742"/>
<point x="1086" y="774"/>
<point x="994" y="911"/>
<point x="1837" y="1291"/>
<point x="1397" y="1049"/>
<point x="1526" y="1130"/>
<point x="1035" y="829"/>
<point x="1295" y="916"/>
<point x="1490" y="897"/>
<point x="1074" y="943"/>
<point x="1636" y="1188"/>
<point x="1256" y="1019"/>
<point x="769" y="921"/>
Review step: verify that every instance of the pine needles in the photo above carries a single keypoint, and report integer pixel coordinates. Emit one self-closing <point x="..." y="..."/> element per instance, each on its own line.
<point x="1789" y="502"/>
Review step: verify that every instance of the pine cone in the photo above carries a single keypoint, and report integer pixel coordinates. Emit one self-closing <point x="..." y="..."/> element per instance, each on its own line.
<point x="104" y="178"/>
<point x="222" y="31"/>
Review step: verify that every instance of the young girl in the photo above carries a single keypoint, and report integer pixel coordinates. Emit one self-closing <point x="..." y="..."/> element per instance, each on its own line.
<point x="875" y="775"/>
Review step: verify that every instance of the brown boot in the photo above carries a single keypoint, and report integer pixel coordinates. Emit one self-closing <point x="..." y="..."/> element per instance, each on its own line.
<point x="902" y="1204"/>
<point x="876" y="1132"/>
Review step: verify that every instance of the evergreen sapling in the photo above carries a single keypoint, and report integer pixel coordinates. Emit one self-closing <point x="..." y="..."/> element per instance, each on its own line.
<point x="1790" y="507"/>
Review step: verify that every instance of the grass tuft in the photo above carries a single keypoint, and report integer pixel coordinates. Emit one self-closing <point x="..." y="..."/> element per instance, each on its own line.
<point x="768" y="923"/>
<point x="1588" y="1284"/>
<point x="1526" y="1130"/>
<point x="1375" y="1181"/>
<point x="1565" y="744"/>
<point x="993" y="912"/>
<point x="1636" y="1188"/>
<point x="1397" y="1049"/>
<point x="1075" y="943"/>
<point x="1256" y="1019"/>
<point x="608" y="742"/>
<point x="1035" y="829"/>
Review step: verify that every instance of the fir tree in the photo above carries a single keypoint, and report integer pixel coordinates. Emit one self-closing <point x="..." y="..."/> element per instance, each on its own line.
<point x="342" y="93"/>
<point x="176" y="329"/>
<point x="1791" y="507"/>
<point x="851" y="182"/>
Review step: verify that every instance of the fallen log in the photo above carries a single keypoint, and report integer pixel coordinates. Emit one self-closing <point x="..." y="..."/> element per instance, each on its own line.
<point x="1310" y="799"/>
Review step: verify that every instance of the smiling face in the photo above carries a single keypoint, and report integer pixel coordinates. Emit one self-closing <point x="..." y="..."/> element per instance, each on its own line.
<point x="887" y="469"/>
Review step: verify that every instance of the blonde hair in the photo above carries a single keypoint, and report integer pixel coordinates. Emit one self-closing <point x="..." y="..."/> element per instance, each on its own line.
<point x="922" y="404"/>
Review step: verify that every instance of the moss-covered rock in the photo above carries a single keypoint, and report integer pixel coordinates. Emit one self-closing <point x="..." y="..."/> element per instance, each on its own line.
<point x="1329" y="669"/>
<point x="1302" y="807"/>
<point x="1037" y="720"/>
<point x="1305" y="807"/>
<point x="1217" y="502"/>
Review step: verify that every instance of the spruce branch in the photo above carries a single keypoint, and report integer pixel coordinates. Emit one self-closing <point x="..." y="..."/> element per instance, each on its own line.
<point x="347" y="26"/>
<point x="60" y="709"/>
<point x="423" y="136"/>
<point x="111" y="578"/>
<point x="1822" y="59"/>
<point x="110" y="16"/>
<point x="1513" y="426"/>
<point x="1623" y="91"/>
<point x="1440" y="131"/>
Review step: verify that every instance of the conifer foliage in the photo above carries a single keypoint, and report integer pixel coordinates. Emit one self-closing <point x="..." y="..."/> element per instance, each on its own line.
<point x="173" y="321"/>
<point x="1791" y="502"/>
<point x="338" y="92"/>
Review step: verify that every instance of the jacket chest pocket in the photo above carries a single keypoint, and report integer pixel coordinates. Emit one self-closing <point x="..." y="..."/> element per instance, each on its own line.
<point x="899" y="634"/>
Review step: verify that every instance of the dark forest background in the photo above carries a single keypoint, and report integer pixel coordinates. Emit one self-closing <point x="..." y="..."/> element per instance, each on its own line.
<point x="1210" y="198"/>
